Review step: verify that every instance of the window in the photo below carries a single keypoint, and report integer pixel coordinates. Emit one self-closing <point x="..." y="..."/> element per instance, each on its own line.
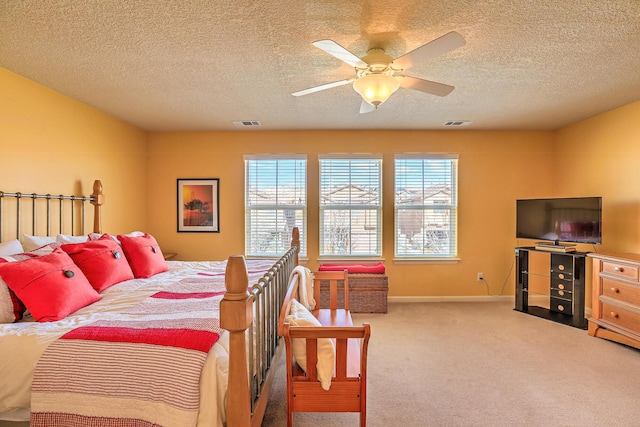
<point x="275" y="202"/>
<point x="426" y="206"/>
<point x="350" y="206"/>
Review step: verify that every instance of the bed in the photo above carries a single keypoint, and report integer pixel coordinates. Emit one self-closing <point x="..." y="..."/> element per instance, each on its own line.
<point x="49" y="366"/>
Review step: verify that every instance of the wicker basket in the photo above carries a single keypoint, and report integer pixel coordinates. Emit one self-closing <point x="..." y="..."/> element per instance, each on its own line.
<point x="367" y="293"/>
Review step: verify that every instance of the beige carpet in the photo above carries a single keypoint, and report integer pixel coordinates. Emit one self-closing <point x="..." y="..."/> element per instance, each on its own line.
<point x="483" y="364"/>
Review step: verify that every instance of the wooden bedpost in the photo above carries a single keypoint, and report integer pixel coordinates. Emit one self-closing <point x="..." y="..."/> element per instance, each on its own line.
<point x="97" y="202"/>
<point x="295" y="241"/>
<point x="236" y="314"/>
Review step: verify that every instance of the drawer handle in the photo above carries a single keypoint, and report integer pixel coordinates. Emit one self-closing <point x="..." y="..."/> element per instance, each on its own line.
<point x="615" y="290"/>
<point x="619" y="269"/>
<point x="614" y="314"/>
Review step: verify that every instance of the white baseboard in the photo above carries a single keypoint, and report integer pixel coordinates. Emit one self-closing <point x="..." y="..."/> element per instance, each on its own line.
<point x="479" y="298"/>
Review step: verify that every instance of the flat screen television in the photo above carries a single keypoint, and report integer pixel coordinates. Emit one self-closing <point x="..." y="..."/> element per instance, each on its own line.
<point x="573" y="219"/>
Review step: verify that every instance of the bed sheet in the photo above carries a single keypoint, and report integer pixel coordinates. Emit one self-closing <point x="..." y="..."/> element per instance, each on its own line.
<point x="22" y="343"/>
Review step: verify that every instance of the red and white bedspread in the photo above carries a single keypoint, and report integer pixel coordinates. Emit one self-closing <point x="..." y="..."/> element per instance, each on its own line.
<point x="151" y="352"/>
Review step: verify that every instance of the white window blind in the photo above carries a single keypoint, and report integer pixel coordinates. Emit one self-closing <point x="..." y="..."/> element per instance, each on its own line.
<point x="426" y="206"/>
<point x="275" y="202"/>
<point x="350" y="206"/>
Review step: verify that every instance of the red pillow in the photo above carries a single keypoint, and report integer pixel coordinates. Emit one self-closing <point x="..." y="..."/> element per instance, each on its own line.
<point x="11" y="308"/>
<point x="144" y="255"/>
<point x="102" y="261"/>
<point x="50" y="286"/>
<point x="354" y="268"/>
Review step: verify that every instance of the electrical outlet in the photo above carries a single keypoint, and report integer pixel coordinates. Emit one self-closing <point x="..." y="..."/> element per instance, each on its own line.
<point x="480" y="277"/>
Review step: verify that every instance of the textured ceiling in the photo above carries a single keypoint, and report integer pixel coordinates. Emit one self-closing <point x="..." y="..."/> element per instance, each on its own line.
<point x="201" y="65"/>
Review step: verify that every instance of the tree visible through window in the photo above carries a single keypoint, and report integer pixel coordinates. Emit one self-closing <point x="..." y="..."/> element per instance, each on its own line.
<point x="426" y="205"/>
<point x="350" y="206"/>
<point x="275" y="202"/>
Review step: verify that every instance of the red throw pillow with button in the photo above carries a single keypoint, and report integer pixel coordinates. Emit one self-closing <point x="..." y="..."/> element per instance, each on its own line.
<point x="144" y="255"/>
<point x="102" y="261"/>
<point x="50" y="286"/>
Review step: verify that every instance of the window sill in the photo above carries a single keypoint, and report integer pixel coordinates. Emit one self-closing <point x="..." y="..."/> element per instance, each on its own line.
<point x="353" y="260"/>
<point x="301" y="260"/>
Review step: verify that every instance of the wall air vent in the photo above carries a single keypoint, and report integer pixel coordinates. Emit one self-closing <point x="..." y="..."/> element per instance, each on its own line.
<point x="247" y="123"/>
<point x="458" y="123"/>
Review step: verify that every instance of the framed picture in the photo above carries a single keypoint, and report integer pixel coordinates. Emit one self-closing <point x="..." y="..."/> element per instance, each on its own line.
<point x="198" y="205"/>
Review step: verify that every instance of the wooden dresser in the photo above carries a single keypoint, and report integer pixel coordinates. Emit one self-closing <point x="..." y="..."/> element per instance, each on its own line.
<point x="616" y="298"/>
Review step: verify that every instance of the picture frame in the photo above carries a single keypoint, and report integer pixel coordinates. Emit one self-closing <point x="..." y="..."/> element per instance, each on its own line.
<point x="198" y="205"/>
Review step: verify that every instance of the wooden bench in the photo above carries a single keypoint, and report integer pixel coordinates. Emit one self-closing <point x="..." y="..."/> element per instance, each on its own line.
<point x="349" y="381"/>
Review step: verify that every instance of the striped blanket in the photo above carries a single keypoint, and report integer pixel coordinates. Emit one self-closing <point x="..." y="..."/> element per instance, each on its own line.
<point x="140" y="369"/>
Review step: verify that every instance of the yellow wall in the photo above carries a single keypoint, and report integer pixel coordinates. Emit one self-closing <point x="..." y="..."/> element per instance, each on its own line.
<point x="495" y="168"/>
<point x="54" y="144"/>
<point x="601" y="156"/>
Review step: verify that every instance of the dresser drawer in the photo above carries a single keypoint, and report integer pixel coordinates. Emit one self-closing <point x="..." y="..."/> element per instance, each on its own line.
<point x="623" y="271"/>
<point x="616" y="298"/>
<point x="621" y="291"/>
<point x="621" y="317"/>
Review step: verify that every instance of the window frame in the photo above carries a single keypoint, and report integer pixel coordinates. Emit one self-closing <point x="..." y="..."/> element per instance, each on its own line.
<point x="274" y="207"/>
<point x="452" y="208"/>
<point x="378" y="209"/>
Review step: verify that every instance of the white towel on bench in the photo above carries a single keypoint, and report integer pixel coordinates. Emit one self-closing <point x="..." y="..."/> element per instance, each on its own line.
<point x="305" y="288"/>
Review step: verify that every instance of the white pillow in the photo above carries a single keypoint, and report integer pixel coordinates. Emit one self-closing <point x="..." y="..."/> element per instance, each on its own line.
<point x="11" y="247"/>
<point x="45" y="250"/>
<point x="67" y="238"/>
<point x="97" y="236"/>
<point x="135" y="234"/>
<point x="300" y="316"/>
<point x="34" y="242"/>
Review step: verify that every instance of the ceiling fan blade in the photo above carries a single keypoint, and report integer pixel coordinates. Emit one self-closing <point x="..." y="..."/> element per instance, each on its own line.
<point x="427" y="86"/>
<point x="322" y="87"/>
<point x="334" y="49"/>
<point x="439" y="46"/>
<point x="365" y="107"/>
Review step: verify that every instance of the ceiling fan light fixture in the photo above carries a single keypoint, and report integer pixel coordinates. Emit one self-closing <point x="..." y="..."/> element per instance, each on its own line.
<point x="376" y="88"/>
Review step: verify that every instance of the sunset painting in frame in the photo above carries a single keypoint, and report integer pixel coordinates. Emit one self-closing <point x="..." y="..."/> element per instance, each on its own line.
<point x="198" y="209"/>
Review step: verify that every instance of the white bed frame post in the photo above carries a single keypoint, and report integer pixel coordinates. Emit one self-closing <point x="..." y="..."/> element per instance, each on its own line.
<point x="236" y="314"/>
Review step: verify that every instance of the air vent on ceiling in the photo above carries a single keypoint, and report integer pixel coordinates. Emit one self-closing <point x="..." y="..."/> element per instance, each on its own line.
<point x="458" y="123"/>
<point x="247" y="123"/>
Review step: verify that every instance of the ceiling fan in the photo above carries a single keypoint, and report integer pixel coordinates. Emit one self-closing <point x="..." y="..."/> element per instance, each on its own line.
<point x="378" y="75"/>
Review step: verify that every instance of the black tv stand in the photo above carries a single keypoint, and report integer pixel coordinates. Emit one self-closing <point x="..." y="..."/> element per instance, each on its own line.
<point x="564" y="286"/>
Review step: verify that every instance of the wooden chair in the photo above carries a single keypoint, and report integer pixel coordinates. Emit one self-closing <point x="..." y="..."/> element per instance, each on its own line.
<point x="349" y="382"/>
<point x="333" y="277"/>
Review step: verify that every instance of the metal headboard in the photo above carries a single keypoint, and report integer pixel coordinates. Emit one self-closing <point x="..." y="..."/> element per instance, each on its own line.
<point x="72" y="223"/>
